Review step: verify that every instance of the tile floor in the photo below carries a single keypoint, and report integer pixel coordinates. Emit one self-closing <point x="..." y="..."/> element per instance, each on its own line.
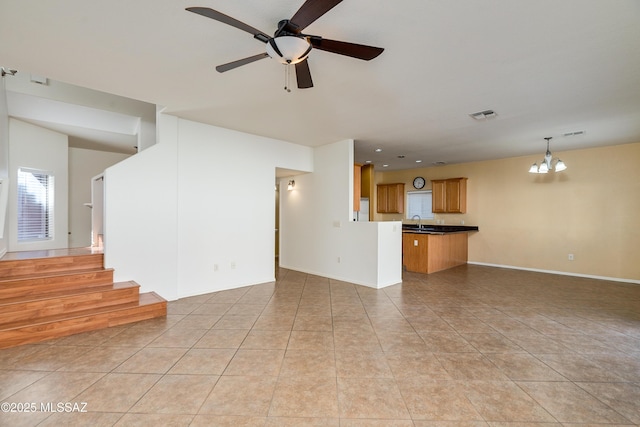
<point x="470" y="346"/>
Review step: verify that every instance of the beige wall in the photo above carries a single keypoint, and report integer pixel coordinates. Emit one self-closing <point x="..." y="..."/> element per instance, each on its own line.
<point x="84" y="165"/>
<point x="591" y="210"/>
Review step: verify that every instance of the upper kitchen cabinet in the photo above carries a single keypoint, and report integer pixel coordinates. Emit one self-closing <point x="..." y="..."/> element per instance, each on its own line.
<point x="391" y="198"/>
<point x="449" y="195"/>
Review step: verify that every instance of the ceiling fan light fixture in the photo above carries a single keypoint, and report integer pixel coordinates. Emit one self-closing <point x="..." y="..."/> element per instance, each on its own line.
<point x="288" y="49"/>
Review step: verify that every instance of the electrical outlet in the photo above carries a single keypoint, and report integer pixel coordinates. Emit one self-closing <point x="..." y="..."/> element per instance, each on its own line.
<point x="338" y="260"/>
<point x="570" y="257"/>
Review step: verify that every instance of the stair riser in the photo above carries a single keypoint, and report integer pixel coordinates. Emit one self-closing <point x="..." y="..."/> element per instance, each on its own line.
<point x="44" y="285"/>
<point x="137" y="314"/>
<point x="62" y="328"/>
<point x="24" y="267"/>
<point x="66" y="304"/>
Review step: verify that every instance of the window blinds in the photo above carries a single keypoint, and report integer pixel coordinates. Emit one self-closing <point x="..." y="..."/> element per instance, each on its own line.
<point x="419" y="203"/>
<point x="35" y="205"/>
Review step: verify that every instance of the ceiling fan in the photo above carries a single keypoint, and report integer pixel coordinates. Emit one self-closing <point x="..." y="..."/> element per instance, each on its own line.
<point x="289" y="45"/>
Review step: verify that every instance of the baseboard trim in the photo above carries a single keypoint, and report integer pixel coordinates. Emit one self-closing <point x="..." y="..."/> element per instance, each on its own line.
<point x="562" y="273"/>
<point x="3" y="252"/>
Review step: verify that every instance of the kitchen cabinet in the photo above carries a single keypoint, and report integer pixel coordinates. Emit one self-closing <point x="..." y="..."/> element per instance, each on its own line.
<point x="390" y="198"/>
<point x="415" y="252"/>
<point x="449" y="195"/>
<point x="428" y="253"/>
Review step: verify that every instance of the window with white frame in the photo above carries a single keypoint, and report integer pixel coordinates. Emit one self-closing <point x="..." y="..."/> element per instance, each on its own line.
<point x="419" y="203"/>
<point x="35" y="205"/>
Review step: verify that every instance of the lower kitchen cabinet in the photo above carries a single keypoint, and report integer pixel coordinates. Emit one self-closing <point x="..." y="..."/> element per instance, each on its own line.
<point x="415" y="252"/>
<point x="428" y="253"/>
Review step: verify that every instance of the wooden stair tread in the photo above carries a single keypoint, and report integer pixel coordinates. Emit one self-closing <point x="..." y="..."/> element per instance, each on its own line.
<point x="144" y="300"/>
<point x="17" y="267"/>
<point x="51" y="274"/>
<point x="67" y="293"/>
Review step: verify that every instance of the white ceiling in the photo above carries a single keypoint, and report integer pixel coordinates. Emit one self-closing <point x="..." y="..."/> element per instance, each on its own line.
<point x="546" y="67"/>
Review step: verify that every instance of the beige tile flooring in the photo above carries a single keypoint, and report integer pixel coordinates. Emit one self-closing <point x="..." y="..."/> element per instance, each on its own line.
<point x="470" y="346"/>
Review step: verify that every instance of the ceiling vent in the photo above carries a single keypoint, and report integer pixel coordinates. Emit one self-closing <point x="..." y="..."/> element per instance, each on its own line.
<point x="39" y="80"/>
<point x="483" y="115"/>
<point x="576" y="133"/>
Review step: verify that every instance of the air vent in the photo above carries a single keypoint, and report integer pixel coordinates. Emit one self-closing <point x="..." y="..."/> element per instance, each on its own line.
<point x="576" y="133"/>
<point x="439" y="163"/>
<point x="483" y="115"/>
<point x="39" y="80"/>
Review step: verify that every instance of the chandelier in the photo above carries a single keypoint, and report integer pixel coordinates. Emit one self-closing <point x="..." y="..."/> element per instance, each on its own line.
<point x="547" y="164"/>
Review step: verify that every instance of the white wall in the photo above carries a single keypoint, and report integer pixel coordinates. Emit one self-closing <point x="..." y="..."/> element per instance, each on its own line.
<point x="200" y="198"/>
<point x="317" y="234"/>
<point x="140" y="224"/>
<point x="37" y="148"/>
<point x="4" y="168"/>
<point x="84" y="165"/>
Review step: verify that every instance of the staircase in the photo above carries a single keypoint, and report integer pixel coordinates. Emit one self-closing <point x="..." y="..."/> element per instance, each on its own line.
<point x="52" y="296"/>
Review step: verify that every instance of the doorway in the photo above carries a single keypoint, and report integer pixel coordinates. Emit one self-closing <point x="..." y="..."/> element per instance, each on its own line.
<point x="97" y="211"/>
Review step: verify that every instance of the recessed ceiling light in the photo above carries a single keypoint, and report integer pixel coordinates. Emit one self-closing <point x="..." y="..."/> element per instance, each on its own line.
<point x="483" y="115"/>
<point x="418" y="161"/>
<point x="377" y="150"/>
<point x="401" y="156"/>
<point x="440" y="163"/>
<point x="385" y="166"/>
<point x="367" y="161"/>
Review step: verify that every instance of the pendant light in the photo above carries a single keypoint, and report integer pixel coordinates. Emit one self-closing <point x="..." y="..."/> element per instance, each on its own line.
<point x="546" y="163"/>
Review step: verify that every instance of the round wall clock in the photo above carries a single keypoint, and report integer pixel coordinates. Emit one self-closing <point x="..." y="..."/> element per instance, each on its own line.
<point x="418" y="182"/>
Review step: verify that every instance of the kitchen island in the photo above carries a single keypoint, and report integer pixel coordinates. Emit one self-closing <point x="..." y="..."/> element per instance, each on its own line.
<point x="431" y="248"/>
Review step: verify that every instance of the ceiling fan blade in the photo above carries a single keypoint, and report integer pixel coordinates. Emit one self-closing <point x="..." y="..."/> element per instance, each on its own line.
<point x="353" y="50"/>
<point x="303" y="75"/>
<point x="221" y="17"/>
<point x="244" y="61"/>
<point x="309" y="12"/>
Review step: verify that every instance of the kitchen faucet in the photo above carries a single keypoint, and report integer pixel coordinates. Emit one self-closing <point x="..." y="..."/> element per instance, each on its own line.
<point x="419" y="219"/>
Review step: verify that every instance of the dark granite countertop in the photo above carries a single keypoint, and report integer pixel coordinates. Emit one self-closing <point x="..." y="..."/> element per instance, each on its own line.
<point x="438" y="229"/>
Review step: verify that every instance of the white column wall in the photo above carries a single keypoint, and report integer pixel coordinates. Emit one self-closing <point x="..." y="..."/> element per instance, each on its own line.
<point x="317" y="234"/>
<point x="226" y="206"/>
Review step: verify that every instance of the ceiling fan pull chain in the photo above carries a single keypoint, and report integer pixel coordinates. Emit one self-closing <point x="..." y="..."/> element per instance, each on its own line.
<point x="287" y="77"/>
